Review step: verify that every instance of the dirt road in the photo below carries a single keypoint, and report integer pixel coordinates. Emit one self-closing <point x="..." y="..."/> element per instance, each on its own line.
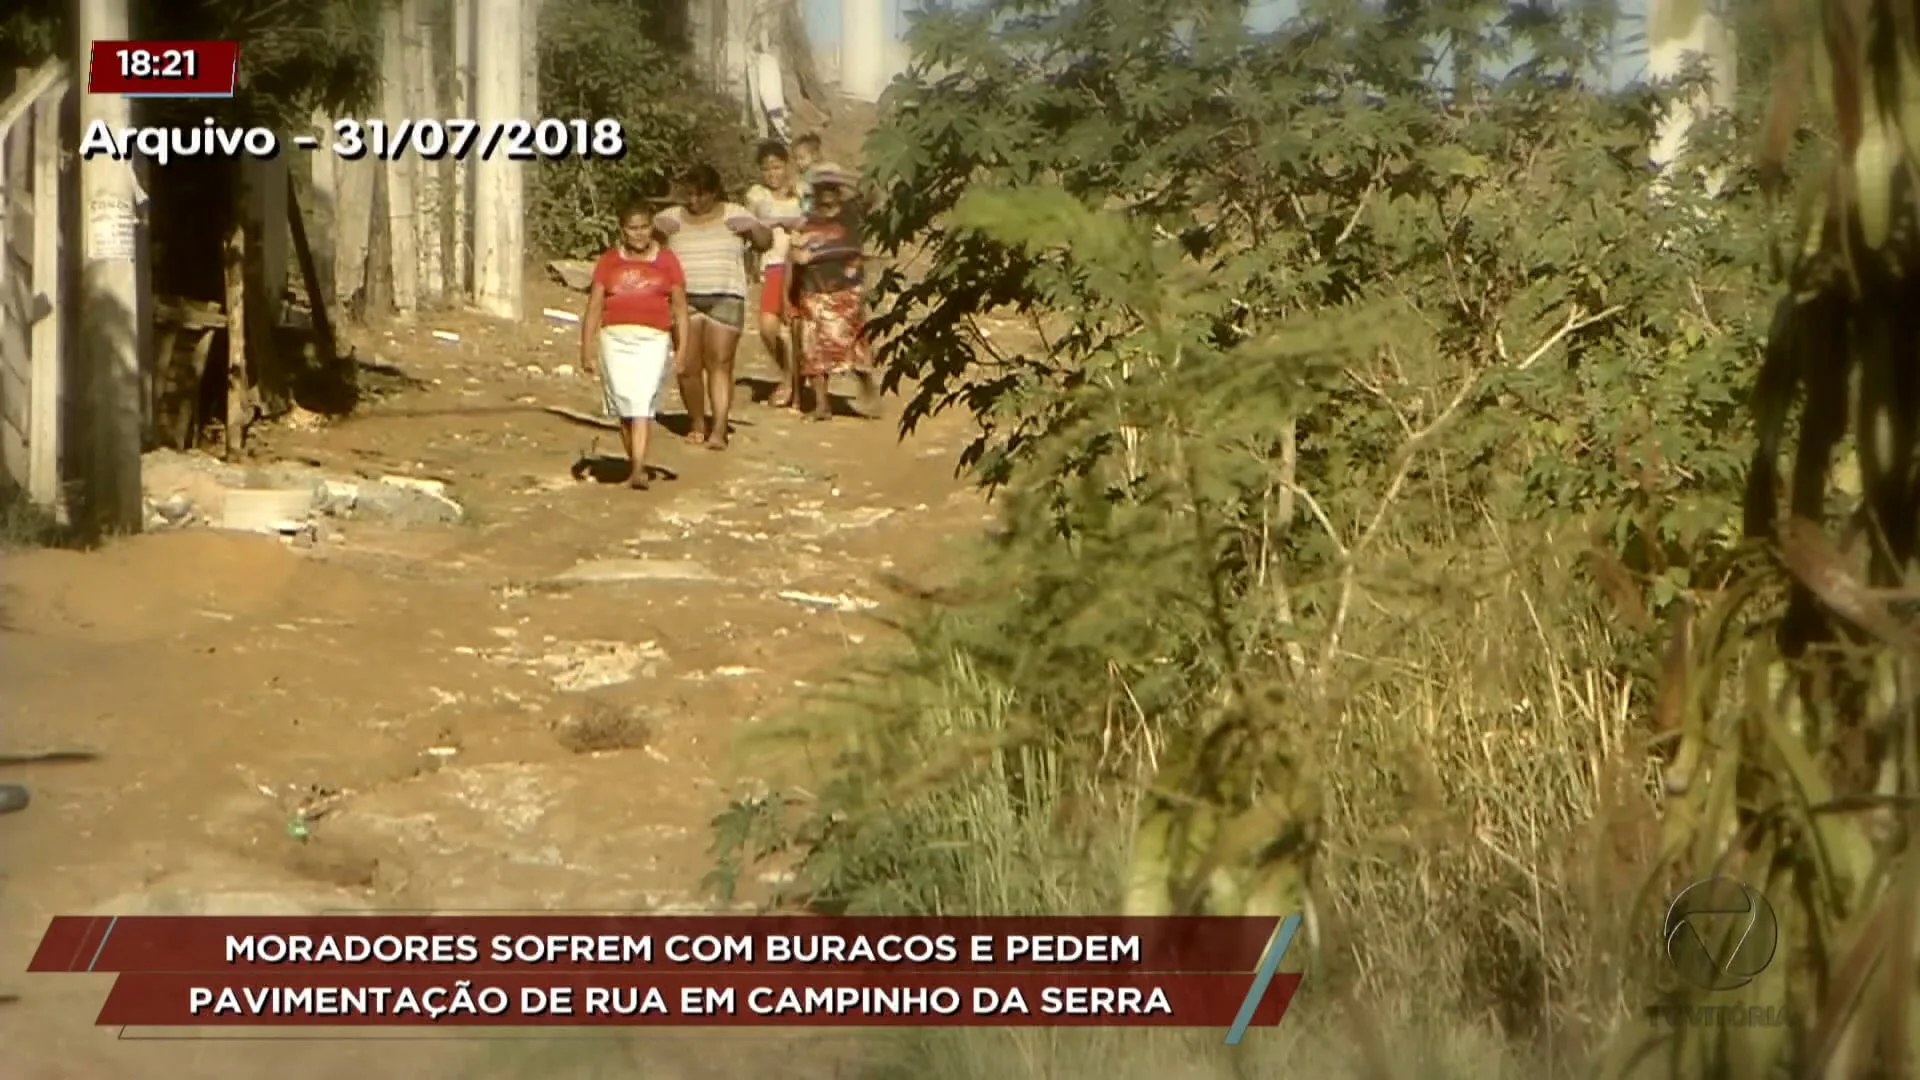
<point x="426" y="698"/>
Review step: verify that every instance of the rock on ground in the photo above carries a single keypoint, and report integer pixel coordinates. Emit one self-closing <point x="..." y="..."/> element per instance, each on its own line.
<point x="194" y="489"/>
<point x="573" y="273"/>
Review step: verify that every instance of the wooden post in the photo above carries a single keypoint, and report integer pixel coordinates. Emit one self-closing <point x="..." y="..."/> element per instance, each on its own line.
<point x="395" y="25"/>
<point x="499" y="237"/>
<point x="49" y="338"/>
<point x="460" y="273"/>
<point x="267" y="230"/>
<point x="16" y="300"/>
<point x="423" y="100"/>
<point x="108" y="303"/>
<point x="143" y="308"/>
<point x="265" y="209"/>
<point x="239" y="399"/>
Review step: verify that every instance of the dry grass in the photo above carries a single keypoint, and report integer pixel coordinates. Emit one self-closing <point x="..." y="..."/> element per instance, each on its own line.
<point x="593" y="725"/>
<point x="1490" y="834"/>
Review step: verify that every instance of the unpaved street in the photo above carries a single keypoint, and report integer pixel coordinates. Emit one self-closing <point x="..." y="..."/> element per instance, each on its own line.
<point x="530" y="708"/>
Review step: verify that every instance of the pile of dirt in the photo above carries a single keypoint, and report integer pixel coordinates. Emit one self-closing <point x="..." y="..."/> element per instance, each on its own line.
<point x="843" y="135"/>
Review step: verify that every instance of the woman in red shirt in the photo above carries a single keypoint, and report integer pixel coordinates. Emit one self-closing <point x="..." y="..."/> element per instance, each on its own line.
<point x="636" y="316"/>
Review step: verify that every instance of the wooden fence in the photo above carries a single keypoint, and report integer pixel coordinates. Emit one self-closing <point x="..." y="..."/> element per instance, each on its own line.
<point x="32" y="257"/>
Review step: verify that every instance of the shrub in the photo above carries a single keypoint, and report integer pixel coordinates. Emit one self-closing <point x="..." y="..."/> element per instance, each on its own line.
<point x="621" y="59"/>
<point x="1371" y="416"/>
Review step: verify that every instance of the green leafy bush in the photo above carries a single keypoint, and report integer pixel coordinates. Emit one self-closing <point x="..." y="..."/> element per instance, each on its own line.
<point x="618" y="58"/>
<point x="1324" y="380"/>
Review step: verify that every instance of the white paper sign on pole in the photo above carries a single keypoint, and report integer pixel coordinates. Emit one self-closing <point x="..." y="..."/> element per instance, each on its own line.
<point x="111" y="228"/>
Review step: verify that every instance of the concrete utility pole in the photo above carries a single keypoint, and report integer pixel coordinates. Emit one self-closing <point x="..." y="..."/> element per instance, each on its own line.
<point x="530" y="61"/>
<point x="423" y="99"/>
<point x="402" y="235"/>
<point x="351" y="231"/>
<point x="499" y="227"/>
<point x="703" y="28"/>
<point x="462" y="105"/>
<point x="267" y="211"/>
<point x="1678" y="30"/>
<point x="863" y="49"/>
<point x="108" y="304"/>
<point x="324" y="203"/>
<point x="741" y="19"/>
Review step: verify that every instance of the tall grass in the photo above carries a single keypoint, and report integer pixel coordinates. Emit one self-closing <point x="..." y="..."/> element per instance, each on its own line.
<point x="1490" y="830"/>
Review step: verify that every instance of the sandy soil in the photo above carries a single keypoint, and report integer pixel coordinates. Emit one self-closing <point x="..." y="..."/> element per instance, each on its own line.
<point x="426" y="686"/>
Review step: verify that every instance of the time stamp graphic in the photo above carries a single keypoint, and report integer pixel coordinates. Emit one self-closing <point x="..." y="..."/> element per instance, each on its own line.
<point x="211" y="69"/>
<point x="510" y="140"/>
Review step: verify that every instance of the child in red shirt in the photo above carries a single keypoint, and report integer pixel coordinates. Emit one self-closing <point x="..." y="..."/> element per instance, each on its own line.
<point x="636" y="315"/>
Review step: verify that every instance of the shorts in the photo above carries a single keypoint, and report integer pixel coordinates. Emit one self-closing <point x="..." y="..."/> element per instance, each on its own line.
<point x="728" y="311"/>
<point x="633" y="365"/>
<point x="773" y="281"/>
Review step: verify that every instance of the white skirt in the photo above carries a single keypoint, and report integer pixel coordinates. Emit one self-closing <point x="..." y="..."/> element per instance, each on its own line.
<point x="633" y="365"/>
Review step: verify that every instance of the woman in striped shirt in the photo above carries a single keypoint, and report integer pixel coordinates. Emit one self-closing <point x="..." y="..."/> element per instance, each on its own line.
<point x="710" y="236"/>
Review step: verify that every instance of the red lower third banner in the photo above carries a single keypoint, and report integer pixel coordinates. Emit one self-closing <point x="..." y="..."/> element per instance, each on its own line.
<point x="720" y="999"/>
<point x="468" y="943"/>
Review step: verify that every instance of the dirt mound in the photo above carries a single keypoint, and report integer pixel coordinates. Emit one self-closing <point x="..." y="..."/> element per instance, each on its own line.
<point x="843" y="128"/>
<point x="843" y="137"/>
<point x="135" y="588"/>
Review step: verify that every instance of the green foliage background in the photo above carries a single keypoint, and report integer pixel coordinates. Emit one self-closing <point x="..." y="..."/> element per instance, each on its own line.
<point x="1358" y="419"/>
<point x="625" y="59"/>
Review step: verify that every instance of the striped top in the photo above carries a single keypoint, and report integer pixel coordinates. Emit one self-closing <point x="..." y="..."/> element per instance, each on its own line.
<point x="767" y="206"/>
<point x="712" y="255"/>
